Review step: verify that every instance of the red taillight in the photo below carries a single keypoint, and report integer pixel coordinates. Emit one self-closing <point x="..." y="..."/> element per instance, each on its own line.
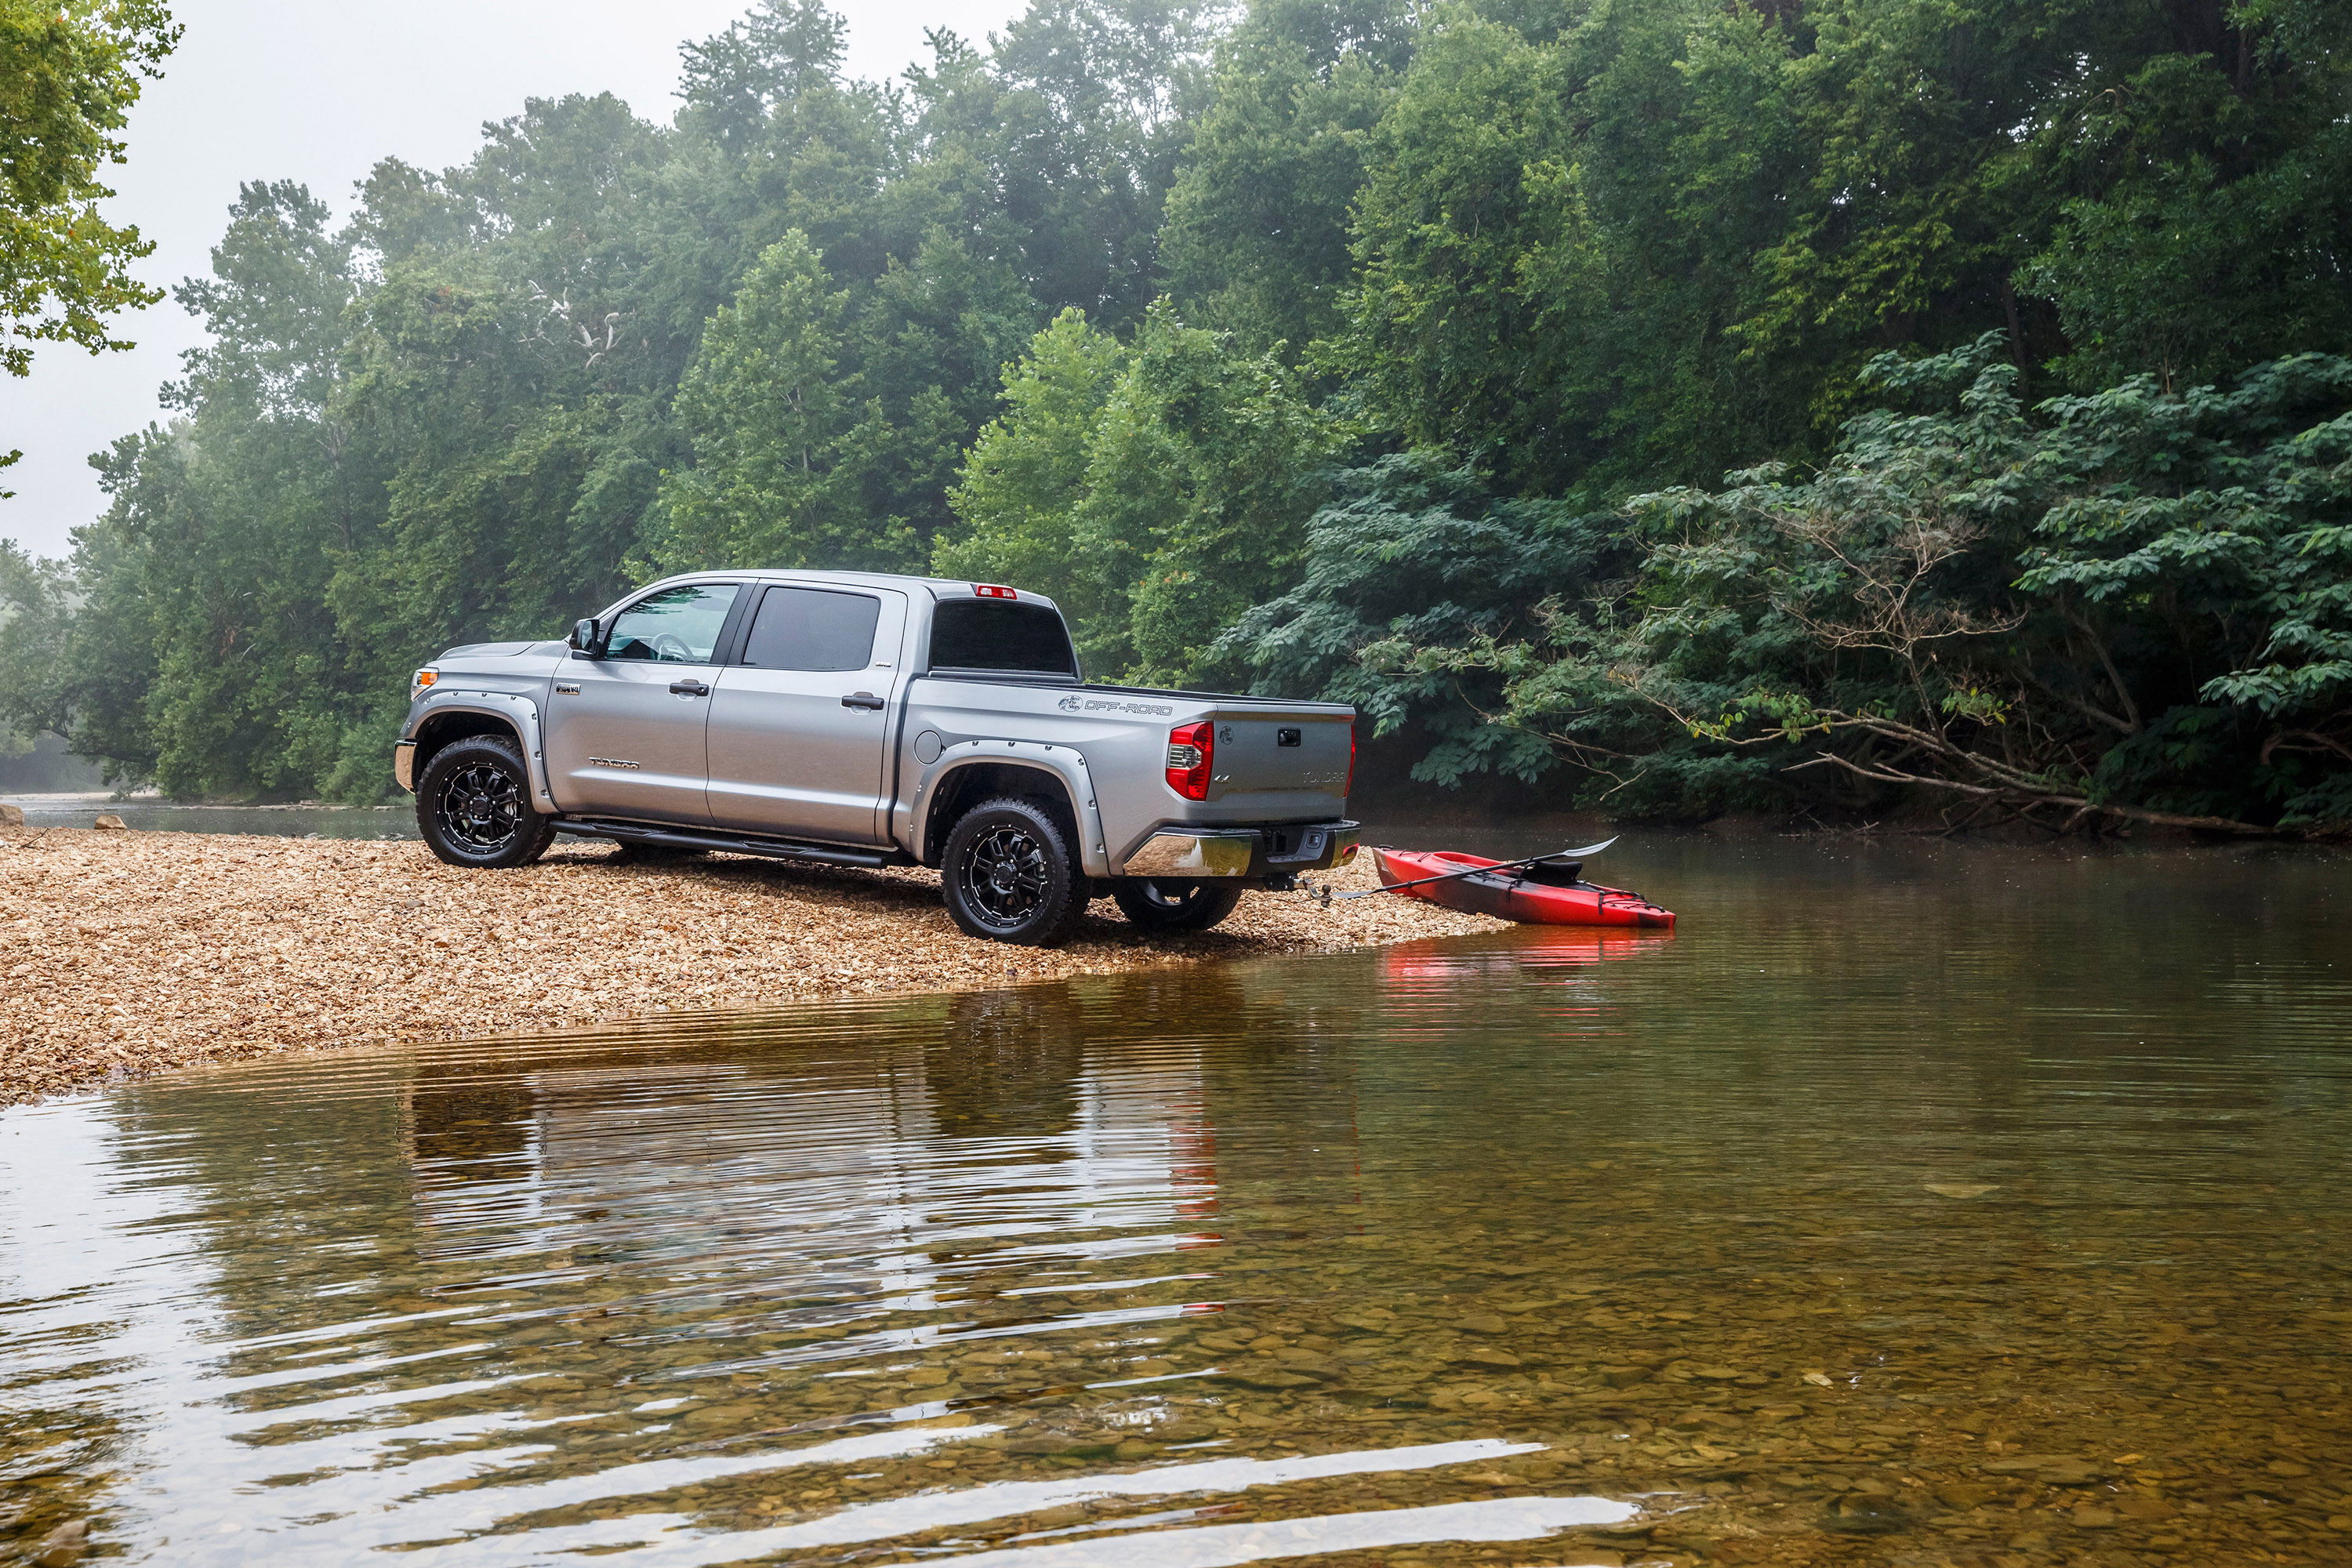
<point x="993" y="591"/>
<point x="1191" y="749"/>
<point x="1349" y="788"/>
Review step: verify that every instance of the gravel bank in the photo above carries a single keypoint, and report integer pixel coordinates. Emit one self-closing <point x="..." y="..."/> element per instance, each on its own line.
<point x="123" y="953"/>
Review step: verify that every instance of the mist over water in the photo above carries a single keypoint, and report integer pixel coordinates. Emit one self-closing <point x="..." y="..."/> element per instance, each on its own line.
<point x="1910" y="1203"/>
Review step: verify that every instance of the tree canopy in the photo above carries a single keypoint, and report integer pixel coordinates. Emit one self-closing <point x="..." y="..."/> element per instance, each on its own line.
<point x="69" y="76"/>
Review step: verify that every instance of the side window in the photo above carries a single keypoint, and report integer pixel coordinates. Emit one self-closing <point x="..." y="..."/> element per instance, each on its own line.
<point x="676" y="626"/>
<point x="811" y="628"/>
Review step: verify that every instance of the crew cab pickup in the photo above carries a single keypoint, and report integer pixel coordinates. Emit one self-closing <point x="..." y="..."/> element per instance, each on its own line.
<point x="858" y="719"/>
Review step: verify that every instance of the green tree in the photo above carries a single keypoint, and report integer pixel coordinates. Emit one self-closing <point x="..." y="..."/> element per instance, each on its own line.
<point x="215" y="562"/>
<point x="1443" y="342"/>
<point x="930" y="339"/>
<point x="1255" y="241"/>
<point x="1025" y="474"/>
<point x="2215" y="232"/>
<point x="1053" y="152"/>
<point x="1157" y="491"/>
<point x="1648" y="242"/>
<point x="35" y="617"/>
<point x="69" y="76"/>
<point x="1410" y="556"/>
<point x="775" y="479"/>
<point x="1205" y="468"/>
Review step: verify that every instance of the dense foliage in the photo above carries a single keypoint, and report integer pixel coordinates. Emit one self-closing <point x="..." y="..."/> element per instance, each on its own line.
<point x="1393" y="352"/>
<point x="2140" y="604"/>
<point x="69" y="76"/>
<point x="1157" y="491"/>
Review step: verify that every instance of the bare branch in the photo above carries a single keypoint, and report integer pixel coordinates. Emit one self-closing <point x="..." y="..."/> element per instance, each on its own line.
<point x="2083" y="808"/>
<point x="2114" y="678"/>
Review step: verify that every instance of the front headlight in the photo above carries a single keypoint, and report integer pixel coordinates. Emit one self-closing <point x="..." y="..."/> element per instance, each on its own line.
<point x="423" y="679"/>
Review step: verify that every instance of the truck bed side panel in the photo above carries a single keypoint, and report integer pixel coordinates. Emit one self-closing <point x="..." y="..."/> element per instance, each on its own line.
<point x="1123" y="736"/>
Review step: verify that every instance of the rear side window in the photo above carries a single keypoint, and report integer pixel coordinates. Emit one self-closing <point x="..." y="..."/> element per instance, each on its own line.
<point x="811" y="628"/>
<point x="998" y="635"/>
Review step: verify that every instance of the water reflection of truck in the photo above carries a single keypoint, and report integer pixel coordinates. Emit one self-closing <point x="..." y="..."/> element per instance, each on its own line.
<point x="869" y="720"/>
<point x="957" y="1160"/>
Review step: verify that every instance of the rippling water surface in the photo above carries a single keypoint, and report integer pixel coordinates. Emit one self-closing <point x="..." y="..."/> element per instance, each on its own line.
<point x="1909" y="1205"/>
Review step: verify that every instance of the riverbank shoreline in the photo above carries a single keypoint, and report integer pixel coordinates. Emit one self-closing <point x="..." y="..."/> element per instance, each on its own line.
<point x="126" y="953"/>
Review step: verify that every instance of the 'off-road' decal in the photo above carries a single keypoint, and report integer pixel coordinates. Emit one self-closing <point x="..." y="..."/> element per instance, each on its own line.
<point x="1102" y="705"/>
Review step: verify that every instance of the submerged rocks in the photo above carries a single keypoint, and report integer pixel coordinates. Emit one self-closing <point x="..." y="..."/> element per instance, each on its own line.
<point x="62" y="1546"/>
<point x="2052" y="1469"/>
<point x="1961" y="1190"/>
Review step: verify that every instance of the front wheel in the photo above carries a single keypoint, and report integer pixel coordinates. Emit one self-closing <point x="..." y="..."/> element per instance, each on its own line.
<point x="1009" y="875"/>
<point x="1175" y="906"/>
<point x="473" y="806"/>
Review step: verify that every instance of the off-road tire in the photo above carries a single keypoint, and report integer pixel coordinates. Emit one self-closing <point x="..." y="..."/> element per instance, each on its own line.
<point x="1174" y="906"/>
<point x="473" y="806"/>
<point x="1009" y="875"/>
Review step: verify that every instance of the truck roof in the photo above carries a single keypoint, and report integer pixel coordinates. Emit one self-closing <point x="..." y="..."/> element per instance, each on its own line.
<point x="938" y="587"/>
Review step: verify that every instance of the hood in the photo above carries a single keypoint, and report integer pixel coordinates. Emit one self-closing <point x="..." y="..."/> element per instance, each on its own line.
<point x="492" y="649"/>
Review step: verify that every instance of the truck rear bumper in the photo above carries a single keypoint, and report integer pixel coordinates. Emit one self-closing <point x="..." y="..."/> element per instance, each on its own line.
<point x="1258" y="852"/>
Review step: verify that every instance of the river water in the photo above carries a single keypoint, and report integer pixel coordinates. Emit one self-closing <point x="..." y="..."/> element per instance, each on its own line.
<point x="152" y="813"/>
<point x="1910" y="1205"/>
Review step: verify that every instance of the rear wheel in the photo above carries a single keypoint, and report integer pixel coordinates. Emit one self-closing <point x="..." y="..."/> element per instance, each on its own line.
<point x="1009" y="875"/>
<point x="473" y="806"/>
<point x="1175" y="906"/>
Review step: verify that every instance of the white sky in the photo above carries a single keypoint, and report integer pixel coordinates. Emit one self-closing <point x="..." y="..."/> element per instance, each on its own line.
<point x="273" y="89"/>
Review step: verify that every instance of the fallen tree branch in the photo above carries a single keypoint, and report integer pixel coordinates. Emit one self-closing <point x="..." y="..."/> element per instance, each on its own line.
<point x="2004" y="783"/>
<point x="2282" y="742"/>
<point x="2083" y="807"/>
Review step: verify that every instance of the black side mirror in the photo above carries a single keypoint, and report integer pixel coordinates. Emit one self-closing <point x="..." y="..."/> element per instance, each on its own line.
<point x="584" y="641"/>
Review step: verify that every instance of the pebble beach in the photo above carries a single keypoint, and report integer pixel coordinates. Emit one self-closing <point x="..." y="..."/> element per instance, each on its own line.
<point x="124" y="953"/>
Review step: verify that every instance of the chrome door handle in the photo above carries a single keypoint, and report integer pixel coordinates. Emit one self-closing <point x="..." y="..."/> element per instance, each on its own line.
<point x="862" y="700"/>
<point x="690" y="687"/>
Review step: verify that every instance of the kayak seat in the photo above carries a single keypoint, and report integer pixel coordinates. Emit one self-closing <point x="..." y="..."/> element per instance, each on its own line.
<point x="1555" y="873"/>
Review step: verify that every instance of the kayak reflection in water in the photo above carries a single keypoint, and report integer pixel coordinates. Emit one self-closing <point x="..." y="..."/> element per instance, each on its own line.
<point x="1441" y="964"/>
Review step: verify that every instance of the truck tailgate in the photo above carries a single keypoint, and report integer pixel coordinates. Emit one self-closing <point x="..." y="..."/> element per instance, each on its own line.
<point x="1286" y="763"/>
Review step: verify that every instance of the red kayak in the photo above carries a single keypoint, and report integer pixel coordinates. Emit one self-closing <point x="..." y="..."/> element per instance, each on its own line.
<point x="1538" y="894"/>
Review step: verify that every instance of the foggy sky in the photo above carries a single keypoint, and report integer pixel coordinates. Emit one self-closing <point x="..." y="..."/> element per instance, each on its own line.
<point x="272" y="89"/>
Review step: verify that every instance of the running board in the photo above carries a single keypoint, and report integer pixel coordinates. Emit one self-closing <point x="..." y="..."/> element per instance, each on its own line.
<point x="773" y="849"/>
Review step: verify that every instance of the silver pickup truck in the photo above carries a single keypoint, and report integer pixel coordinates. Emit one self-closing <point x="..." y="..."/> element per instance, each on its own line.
<point x="857" y="719"/>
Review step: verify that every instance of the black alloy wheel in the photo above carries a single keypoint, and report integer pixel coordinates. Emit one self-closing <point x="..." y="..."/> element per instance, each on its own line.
<point x="473" y="806"/>
<point x="1009" y="875"/>
<point x="1175" y="906"/>
<point x="480" y="806"/>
